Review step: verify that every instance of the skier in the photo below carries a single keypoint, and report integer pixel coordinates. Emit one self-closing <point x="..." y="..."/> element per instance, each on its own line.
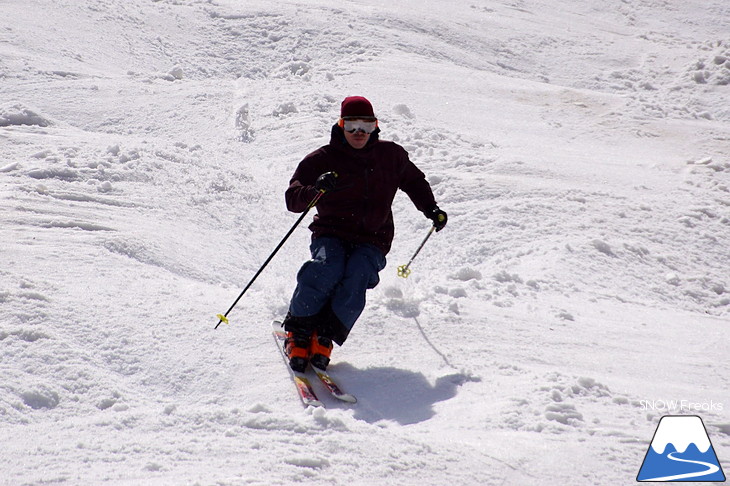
<point x="359" y="175"/>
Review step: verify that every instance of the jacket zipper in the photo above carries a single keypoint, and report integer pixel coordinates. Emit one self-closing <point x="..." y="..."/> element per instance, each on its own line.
<point x="366" y="199"/>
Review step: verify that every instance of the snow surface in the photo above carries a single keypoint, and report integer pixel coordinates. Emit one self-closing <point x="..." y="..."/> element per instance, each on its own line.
<point x="582" y="284"/>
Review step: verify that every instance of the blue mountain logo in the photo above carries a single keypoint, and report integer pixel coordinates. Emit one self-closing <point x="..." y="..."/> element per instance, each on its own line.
<point x="681" y="451"/>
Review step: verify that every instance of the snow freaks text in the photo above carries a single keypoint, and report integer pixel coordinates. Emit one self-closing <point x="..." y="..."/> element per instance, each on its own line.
<point x="683" y="406"/>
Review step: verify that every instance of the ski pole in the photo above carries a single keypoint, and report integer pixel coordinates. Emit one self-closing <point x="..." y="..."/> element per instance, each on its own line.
<point x="224" y="317"/>
<point x="404" y="270"/>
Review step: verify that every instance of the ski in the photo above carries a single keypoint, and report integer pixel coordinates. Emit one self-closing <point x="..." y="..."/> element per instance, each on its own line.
<point x="301" y="382"/>
<point x="332" y="387"/>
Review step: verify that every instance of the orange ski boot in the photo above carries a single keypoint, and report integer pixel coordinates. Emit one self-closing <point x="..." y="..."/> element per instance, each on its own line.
<point x="321" y="349"/>
<point x="296" y="347"/>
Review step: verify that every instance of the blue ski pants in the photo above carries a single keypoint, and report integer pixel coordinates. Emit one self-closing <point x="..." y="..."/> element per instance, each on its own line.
<point x="339" y="273"/>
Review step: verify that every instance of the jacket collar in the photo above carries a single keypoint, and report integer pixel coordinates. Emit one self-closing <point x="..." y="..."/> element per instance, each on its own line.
<point x="338" y="140"/>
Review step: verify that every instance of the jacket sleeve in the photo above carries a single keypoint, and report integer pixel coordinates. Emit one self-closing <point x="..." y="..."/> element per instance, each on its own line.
<point x="414" y="183"/>
<point x="301" y="189"/>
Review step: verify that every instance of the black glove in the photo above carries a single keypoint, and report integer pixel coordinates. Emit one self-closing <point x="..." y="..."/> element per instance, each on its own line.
<point x="326" y="182"/>
<point x="438" y="217"/>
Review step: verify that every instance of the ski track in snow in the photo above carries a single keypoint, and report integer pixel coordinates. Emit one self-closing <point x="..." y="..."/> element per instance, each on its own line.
<point x="580" y="151"/>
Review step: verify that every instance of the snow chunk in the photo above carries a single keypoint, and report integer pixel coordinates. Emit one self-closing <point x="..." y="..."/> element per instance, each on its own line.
<point x="308" y="462"/>
<point x="504" y="277"/>
<point x="467" y="273"/>
<point x="17" y="114"/>
<point x="285" y="109"/>
<point x="105" y="186"/>
<point x="603" y="247"/>
<point x="638" y="250"/>
<point x="175" y="74"/>
<point x="402" y="110"/>
<point x="243" y="124"/>
<point x="43" y="154"/>
<point x="718" y="288"/>
<point x="153" y="467"/>
<point x="259" y="408"/>
<point x="587" y="382"/>
<point x="106" y="403"/>
<point x="40" y="398"/>
<point x="292" y="68"/>
<point x="563" y="413"/>
<point x="10" y="167"/>
<point x="61" y="173"/>
<point x="713" y="70"/>
<point x="457" y="293"/>
<point x="328" y="419"/>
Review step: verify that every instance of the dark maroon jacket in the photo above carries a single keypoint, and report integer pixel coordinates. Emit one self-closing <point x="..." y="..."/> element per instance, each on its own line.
<point x="359" y="209"/>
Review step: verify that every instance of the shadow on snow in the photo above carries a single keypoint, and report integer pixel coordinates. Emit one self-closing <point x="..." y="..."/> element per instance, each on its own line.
<point x="399" y="395"/>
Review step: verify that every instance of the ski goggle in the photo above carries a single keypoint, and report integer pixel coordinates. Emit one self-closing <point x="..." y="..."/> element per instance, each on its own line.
<point x="365" y="126"/>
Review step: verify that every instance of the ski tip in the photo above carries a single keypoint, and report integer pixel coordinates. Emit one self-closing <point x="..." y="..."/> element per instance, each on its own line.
<point x="347" y="398"/>
<point x="332" y="387"/>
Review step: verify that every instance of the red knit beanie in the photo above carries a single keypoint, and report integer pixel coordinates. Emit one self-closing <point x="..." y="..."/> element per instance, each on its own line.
<point x="356" y="106"/>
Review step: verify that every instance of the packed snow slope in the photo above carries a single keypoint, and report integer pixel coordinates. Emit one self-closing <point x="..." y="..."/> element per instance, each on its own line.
<point x="580" y="291"/>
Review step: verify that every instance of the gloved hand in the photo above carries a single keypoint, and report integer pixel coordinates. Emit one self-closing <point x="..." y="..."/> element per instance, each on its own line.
<point x="438" y="217"/>
<point x="326" y="182"/>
